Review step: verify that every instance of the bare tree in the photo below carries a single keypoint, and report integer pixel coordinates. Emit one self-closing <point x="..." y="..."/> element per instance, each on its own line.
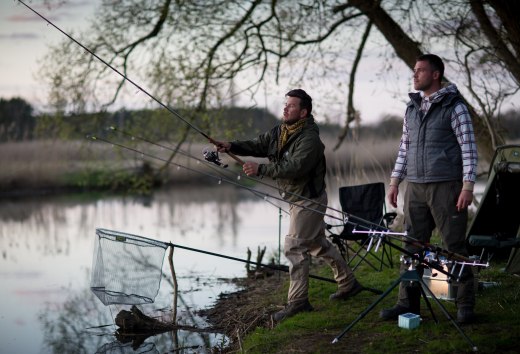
<point x="191" y="52"/>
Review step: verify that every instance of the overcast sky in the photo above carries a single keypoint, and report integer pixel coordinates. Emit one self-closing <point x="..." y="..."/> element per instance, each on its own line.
<point x="24" y="39"/>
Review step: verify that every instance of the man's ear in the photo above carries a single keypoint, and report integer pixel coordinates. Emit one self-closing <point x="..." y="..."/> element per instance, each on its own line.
<point x="436" y="75"/>
<point x="303" y="113"/>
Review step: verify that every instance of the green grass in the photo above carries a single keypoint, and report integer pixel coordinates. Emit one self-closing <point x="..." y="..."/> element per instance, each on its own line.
<point x="497" y="328"/>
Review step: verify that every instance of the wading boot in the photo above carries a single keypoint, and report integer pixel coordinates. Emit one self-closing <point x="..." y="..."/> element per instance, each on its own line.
<point x="347" y="294"/>
<point x="465" y="315"/>
<point x="292" y="309"/>
<point x="393" y="312"/>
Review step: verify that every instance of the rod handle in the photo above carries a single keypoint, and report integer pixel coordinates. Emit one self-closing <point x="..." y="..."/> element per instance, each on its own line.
<point x="233" y="156"/>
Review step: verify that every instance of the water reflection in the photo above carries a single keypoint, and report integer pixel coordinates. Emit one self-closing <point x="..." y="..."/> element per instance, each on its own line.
<point x="47" y="248"/>
<point x="82" y="324"/>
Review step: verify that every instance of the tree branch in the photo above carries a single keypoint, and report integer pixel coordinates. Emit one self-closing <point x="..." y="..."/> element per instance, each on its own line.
<point x="351" y="111"/>
<point x="495" y="39"/>
<point x="214" y="49"/>
<point x="128" y="49"/>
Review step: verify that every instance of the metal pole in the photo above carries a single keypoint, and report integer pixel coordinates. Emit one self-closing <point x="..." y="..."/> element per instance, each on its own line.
<point x="279" y="234"/>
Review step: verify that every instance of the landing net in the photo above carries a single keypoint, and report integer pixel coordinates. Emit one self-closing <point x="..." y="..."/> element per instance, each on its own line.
<point x="126" y="269"/>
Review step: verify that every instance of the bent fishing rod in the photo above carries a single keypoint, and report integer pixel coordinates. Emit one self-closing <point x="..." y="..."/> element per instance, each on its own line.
<point x="126" y="78"/>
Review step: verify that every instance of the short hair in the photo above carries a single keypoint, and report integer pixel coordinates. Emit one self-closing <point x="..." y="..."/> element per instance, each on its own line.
<point x="305" y="99"/>
<point x="435" y="62"/>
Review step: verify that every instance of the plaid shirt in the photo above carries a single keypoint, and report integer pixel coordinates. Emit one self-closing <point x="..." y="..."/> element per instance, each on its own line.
<point x="463" y="130"/>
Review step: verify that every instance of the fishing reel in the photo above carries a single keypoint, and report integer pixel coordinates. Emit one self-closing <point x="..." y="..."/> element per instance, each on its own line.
<point x="212" y="156"/>
<point x="409" y="261"/>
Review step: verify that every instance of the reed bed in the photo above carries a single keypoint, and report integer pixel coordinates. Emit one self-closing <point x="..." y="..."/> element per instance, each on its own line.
<point x="47" y="163"/>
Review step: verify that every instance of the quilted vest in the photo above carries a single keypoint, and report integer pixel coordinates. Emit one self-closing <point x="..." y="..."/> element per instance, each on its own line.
<point x="434" y="155"/>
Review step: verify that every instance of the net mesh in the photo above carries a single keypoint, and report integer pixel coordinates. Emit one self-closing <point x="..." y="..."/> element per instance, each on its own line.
<point x="126" y="269"/>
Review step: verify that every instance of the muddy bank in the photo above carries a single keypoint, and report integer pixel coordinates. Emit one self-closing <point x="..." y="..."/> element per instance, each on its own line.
<point x="239" y="313"/>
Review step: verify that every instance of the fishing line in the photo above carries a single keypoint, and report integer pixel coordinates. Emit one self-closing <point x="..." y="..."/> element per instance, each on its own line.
<point x="219" y="170"/>
<point x="345" y="219"/>
<point x="169" y="109"/>
<point x="220" y="179"/>
<point x="176" y="114"/>
<point x="240" y="175"/>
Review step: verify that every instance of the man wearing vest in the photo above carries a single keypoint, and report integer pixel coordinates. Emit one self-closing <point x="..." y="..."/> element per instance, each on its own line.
<point x="438" y="157"/>
<point x="297" y="162"/>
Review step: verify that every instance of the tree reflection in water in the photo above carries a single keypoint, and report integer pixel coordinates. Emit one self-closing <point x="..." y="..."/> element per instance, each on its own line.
<point x="83" y="324"/>
<point x="47" y="244"/>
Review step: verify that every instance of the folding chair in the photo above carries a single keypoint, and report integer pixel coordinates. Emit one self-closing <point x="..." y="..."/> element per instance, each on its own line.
<point x="495" y="229"/>
<point x="366" y="205"/>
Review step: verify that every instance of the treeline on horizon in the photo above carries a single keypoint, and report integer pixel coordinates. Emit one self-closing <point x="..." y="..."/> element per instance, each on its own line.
<point x="19" y="123"/>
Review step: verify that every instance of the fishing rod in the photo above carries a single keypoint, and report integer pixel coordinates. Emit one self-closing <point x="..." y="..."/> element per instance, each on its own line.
<point x="345" y="219"/>
<point x="219" y="178"/>
<point x="126" y="78"/>
<point x="240" y="175"/>
<point x="185" y="153"/>
<point x="171" y="110"/>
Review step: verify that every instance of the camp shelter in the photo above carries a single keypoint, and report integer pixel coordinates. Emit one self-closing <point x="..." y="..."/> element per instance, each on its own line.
<point x="498" y="214"/>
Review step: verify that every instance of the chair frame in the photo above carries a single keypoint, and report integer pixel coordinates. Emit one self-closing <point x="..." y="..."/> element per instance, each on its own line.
<point x="361" y="251"/>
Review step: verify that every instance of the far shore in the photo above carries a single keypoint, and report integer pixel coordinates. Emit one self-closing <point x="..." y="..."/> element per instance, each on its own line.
<point x="40" y="167"/>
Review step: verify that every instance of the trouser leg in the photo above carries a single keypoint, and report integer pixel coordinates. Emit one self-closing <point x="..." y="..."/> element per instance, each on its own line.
<point x="306" y="237"/>
<point x="343" y="275"/>
<point x="299" y="260"/>
<point x="434" y="205"/>
<point x="419" y="225"/>
<point x="304" y="225"/>
<point x="452" y="227"/>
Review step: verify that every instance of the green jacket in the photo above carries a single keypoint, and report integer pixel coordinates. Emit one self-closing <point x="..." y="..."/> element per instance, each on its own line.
<point x="299" y="168"/>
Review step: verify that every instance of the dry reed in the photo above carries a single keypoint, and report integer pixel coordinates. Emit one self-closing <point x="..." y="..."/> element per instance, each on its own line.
<point x="40" y="164"/>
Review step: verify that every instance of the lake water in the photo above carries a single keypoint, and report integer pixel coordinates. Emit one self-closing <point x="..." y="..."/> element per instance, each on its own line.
<point x="47" y="250"/>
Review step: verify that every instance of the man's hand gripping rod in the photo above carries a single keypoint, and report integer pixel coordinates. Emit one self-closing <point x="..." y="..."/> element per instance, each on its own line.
<point x="233" y="156"/>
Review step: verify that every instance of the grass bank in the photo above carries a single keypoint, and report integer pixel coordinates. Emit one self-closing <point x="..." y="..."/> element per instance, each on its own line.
<point x="496" y="330"/>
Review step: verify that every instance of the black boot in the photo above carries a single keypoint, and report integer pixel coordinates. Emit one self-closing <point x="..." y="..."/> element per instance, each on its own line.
<point x="292" y="309"/>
